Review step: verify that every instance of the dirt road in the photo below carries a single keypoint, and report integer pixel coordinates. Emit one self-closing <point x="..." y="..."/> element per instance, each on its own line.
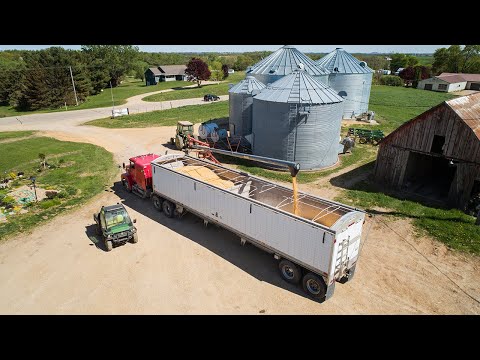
<point x="179" y="267"/>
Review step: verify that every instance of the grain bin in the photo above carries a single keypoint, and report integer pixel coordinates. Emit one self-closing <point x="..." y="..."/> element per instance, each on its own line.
<point x="241" y="99"/>
<point x="297" y="118"/>
<point x="351" y="78"/>
<point x="283" y="62"/>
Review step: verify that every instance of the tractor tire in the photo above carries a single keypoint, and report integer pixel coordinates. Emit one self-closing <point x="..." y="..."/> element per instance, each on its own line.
<point x="314" y="286"/>
<point x="179" y="142"/>
<point x="157" y="202"/>
<point x="134" y="239"/>
<point x="290" y="272"/>
<point x="108" y="245"/>
<point x="363" y="140"/>
<point x="126" y="186"/>
<point x="168" y="208"/>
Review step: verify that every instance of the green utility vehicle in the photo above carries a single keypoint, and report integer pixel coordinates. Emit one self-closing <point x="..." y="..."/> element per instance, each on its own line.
<point x="184" y="128"/>
<point x="115" y="226"/>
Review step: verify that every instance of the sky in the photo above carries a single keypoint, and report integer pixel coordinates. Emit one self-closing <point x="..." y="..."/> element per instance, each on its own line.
<point x="243" y="48"/>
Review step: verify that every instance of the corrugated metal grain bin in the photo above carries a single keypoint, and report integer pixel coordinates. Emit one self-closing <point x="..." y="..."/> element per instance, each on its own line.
<point x="351" y="78"/>
<point x="241" y="100"/>
<point x="298" y="119"/>
<point x="283" y="62"/>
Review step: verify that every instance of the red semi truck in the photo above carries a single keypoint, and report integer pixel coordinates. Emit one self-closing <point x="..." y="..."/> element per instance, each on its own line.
<point x="137" y="177"/>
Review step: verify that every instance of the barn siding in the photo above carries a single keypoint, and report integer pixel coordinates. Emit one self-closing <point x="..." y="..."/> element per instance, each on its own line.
<point x="461" y="143"/>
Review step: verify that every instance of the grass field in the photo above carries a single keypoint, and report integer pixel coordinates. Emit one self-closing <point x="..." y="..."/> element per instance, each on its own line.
<point x="104" y="99"/>
<point x="395" y="105"/>
<point x="72" y="171"/>
<point x="216" y="89"/>
<point x="7" y="135"/>
<point x="193" y="113"/>
<point x="452" y="227"/>
<point x="425" y="60"/>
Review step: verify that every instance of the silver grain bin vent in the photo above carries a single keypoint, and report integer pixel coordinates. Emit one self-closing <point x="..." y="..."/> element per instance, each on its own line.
<point x="241" y="99"/>
<point x="283" y="62"/>
<point x="351" y="78"/>
<point x="298" y="118"/>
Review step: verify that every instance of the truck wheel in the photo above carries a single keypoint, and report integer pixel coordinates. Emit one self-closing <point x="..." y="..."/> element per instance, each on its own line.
<point x="168" y="208"/>
<point x="126" y="186"/>
<point x="108" y="245"/>
<point x="290" y="272"/>
<point x="314" y="286"/>
<point x="134" y="239"/>
<point x="157" y="202"/>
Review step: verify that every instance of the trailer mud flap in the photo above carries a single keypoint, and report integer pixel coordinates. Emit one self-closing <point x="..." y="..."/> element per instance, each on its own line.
<point x="330" y="291"/>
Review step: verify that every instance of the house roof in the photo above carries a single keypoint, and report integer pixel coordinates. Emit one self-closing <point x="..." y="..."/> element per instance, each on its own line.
<point x="468" y="109"/>
<point x="155" y="71"/>
<point x="466" y="77"/>
<point x="451" y="79"/>
<point x="172" y="69"/>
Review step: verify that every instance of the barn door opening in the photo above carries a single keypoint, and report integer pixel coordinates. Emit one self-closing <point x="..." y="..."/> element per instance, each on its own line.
<point x="428" y="176"/>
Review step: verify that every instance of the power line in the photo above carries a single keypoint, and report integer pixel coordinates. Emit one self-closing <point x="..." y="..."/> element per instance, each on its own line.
<point x="429" y="261"/>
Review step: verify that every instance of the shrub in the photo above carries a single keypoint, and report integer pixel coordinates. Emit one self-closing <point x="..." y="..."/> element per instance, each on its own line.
<point x="46" y="204"/>
<point x="71" y="190"/>
<point x="391" y="80"/>
<point x="8" y="201"/>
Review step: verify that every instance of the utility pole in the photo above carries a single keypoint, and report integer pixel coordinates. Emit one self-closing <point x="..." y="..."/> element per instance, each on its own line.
<point x="73" y="84"/>
<point x="113" y="103"/>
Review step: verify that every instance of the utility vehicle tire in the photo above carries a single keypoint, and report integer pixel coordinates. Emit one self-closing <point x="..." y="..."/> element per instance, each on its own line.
<point x="314" y="286"/>
<point x="134" y="239"/>
<point x="363" y="140"/>
<point x="290" y="272"/>
<point x="157" y="202"/>
<point x="108" y="245"/>
<point x="168" y="208"/>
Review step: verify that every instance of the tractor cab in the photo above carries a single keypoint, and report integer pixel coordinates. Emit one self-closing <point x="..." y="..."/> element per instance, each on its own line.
<point x="184" y="128"/>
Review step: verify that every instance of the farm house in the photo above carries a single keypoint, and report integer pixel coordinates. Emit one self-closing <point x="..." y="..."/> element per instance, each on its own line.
<point x="162" y="73"/>
<point x="436" y="155"/>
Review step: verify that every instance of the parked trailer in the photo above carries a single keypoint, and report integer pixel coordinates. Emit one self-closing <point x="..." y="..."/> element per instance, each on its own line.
<point x="319" y="246"/>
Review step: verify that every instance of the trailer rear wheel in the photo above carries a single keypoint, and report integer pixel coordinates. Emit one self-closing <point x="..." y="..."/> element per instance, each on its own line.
<point x="157" y="202"/>
<point x="314" y="286"/>
<point x="168" y="208"/>
<point x="290" y="272"/>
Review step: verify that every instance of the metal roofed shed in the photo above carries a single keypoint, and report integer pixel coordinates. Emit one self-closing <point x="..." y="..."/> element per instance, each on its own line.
<point x="298" y="118"/>
<point x="283" y="62"/>
<point x="351" y="78"/>
<point x="241" y="100"/>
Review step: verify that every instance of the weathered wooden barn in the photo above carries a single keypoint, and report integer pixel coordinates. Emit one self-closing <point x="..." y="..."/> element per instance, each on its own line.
<point x="437" y="154"/>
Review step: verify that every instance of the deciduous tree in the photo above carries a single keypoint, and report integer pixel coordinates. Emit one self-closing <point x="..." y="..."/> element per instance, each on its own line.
<point x="197" y="70"/>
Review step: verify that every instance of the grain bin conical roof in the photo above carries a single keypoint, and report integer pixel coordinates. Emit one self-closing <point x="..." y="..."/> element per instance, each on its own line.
<point x="247" y="86"/>
<point x="299" y="87"/>
<point x="284" y="61"/>
<point x="340" y="61"/>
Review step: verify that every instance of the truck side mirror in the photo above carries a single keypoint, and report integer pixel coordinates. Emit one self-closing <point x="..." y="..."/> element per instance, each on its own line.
<point x="134" y="221"/>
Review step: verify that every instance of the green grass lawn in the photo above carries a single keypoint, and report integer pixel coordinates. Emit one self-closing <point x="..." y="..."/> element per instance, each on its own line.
<point x="452" y="227"/>
<point x="104" y="99"/>
<point x="73" y="172"/>
<point x="193" y="113"/>
<point x="395" y="105"/>
<point x="14" y="134"/>
<point x="425" y="60"/>
<point x="216" y="89"/>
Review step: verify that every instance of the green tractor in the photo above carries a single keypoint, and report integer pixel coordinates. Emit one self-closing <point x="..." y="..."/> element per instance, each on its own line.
<point x="115" y="226"/>
<point x="184" y="128"/>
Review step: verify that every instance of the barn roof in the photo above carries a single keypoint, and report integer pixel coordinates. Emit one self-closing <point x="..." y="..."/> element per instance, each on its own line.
<point x="466" y="107"/>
